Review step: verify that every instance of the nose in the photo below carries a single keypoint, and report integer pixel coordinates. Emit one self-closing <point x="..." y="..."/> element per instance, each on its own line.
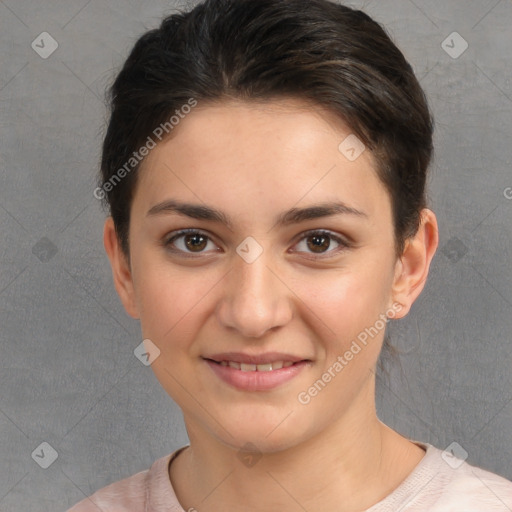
<point x="255" y="298"/>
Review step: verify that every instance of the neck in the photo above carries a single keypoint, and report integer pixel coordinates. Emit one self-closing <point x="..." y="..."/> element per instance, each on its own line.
<point x="353" y="464"/>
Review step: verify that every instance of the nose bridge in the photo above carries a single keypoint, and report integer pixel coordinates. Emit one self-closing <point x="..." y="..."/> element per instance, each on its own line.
<point x="254" y="279"/>
<point x="255" y="299"/>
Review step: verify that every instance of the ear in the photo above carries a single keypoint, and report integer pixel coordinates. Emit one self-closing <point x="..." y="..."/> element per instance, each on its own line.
<point x="121" y="271"/>
<point x="412" y="268"/>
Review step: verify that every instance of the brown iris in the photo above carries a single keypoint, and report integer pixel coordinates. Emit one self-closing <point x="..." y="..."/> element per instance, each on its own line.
<point x="196" y="241"/>
<point x="320" y="242"/>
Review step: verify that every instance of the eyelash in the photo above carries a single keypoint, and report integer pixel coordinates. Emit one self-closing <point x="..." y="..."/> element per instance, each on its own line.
<point x="319" y="232"/>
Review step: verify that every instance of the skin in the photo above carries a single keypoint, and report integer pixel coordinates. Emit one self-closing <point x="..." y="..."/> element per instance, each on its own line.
<point x="254" y="161"/>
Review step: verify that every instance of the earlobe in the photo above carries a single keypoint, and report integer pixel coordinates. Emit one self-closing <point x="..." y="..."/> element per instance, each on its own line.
<point x="121" y="271"/>
<point x="412" y="268"/>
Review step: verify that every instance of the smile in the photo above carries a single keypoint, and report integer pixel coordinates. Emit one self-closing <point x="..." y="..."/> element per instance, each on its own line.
<point x="267" y="367"/>
<point x="261" y="376"/>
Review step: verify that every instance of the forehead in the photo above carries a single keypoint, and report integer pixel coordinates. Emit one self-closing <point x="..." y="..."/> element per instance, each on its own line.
<point x="261" y="154"/>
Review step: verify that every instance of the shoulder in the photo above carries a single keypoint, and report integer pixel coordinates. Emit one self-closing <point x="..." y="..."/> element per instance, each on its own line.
<point x="450" y="484"/>
<point x="475" y="489"/>
<point x="125" y="495"/>
<point x="129" y="494"/>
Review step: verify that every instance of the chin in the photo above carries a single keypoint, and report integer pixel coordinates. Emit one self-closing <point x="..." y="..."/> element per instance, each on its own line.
<point x="262" y="436"/>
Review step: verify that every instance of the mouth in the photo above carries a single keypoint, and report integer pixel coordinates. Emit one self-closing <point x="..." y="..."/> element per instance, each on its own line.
<point x="256" y="373"/>
<point x="247" y="367"/>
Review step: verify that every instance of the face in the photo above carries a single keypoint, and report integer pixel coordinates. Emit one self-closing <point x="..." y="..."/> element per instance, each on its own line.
<point x="262" y="275"/>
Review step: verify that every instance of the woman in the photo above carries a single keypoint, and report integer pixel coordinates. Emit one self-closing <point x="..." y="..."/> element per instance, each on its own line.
<point x="265" y="167"/>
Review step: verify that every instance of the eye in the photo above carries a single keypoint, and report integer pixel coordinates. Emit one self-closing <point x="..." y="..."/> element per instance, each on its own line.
<point x="318" y="242"/>
<point x="189" y="241"/>
<point x="193" y="241"/>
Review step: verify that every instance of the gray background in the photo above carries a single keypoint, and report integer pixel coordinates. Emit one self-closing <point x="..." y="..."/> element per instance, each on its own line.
<point x="68" y="373"/>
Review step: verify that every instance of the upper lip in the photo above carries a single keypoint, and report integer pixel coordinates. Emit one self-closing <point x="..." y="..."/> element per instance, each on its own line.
<point x="265" y="358"/>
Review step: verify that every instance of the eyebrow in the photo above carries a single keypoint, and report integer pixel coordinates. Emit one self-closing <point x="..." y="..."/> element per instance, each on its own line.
<point x="291" y="216"/>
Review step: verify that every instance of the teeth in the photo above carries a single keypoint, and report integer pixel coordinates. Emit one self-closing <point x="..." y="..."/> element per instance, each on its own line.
<point x="267" y="367"/>
<point x="264" y="367"/>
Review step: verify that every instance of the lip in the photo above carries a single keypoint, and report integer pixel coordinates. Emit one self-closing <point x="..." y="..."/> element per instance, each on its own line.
<point x="267" y="357"/>
<point x="256" y="380"/>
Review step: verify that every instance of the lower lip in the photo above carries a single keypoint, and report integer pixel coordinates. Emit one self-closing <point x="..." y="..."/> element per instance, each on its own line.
<point x="255" y="380"/>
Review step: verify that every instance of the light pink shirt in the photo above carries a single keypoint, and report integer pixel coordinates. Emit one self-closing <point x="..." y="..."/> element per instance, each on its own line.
<point x="434" y="485"/>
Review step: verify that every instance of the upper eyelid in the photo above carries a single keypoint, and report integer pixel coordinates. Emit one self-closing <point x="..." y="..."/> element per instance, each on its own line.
<point x="186" y="231"/>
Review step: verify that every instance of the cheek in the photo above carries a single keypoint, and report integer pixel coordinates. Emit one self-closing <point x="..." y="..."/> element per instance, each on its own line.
<point x="344" y="302"/>
<point x="173" y="311"/>
<point x="349" y="310"/>
<point x="174" y="302"/>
